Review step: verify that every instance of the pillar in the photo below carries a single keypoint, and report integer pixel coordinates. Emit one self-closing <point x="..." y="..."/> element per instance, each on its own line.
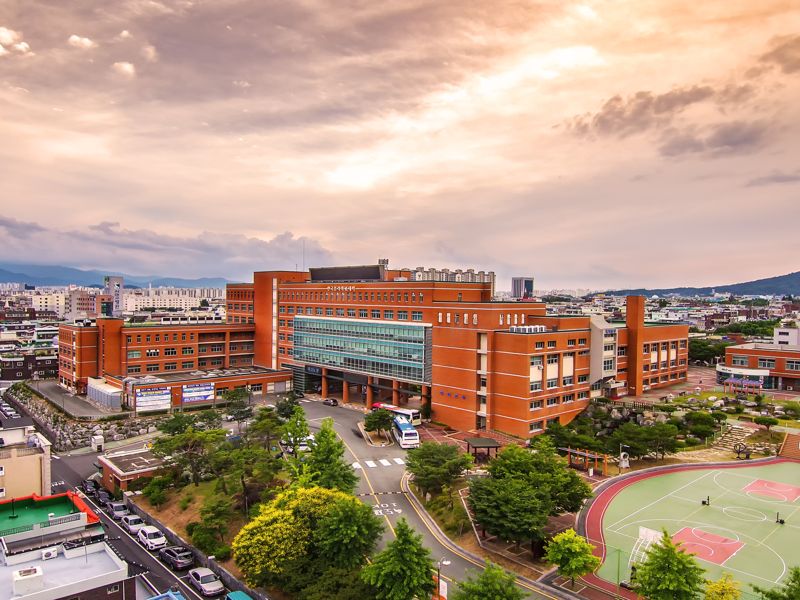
<point x="324" y="383"/>
<point x="345" y="391"/>
<point x="425" y="394"/>
<point x="369" y="393"/>
<point x="395" y="392"/>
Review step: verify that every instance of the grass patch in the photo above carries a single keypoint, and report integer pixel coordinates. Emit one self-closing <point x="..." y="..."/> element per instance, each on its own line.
<point x="762" y="436"/>
<point x="448" y="510"/>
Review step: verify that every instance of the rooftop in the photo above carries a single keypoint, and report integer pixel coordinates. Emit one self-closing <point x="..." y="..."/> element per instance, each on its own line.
<point x="61" y="571"/>
<point x="771" y="347"/>
<point x="194" y="375"/>
<point x="20" y="514"/>
<point x="132" y="461"/>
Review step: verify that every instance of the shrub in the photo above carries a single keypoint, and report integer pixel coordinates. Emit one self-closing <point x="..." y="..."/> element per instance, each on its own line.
<point x="185" y="502"/>
<point x="222" y="552"/>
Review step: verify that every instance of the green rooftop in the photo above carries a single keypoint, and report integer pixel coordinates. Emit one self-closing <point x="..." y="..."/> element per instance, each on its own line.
<point x="29" y="511"/>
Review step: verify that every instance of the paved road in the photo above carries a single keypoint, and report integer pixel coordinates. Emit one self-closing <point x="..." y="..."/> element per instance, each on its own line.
<point x="380" y="471"/>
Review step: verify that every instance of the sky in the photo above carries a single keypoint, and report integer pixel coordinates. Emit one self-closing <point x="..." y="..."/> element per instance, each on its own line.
<point x="598" y="145"/>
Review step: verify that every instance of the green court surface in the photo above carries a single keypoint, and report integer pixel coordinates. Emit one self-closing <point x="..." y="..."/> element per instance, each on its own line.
<point x="736" y="533"/>
<point x="24" y="513"/>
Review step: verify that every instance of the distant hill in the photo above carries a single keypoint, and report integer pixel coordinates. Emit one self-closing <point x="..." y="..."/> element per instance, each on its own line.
<point x="781" y="285"/>
<point x="60" y="275"/>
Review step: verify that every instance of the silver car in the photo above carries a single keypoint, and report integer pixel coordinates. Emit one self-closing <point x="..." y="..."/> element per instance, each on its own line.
<point x="206" y="582"/>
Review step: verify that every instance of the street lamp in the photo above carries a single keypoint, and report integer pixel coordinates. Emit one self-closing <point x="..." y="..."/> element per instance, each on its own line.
<point x="443" y="562"/>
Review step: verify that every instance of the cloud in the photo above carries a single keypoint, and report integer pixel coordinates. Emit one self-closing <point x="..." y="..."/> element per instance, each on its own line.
<point x="150" y="53"/>
<point x="785" y="53"/>
<point x="125" y="69"/>
<point x="736" y="137"/>
<point x="124" y="34"/>
<point x="83" y="43"/>
<point x="11" y="41"/>
<point x="19" y="229"/>
<point x="775" y="178"/>
<point x="9" y="37"/>
<point x="241" y="83"/>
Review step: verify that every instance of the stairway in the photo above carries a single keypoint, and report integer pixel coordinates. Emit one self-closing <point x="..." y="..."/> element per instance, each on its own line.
<point x="734" y="435"/>
<point x="791" y="446"/>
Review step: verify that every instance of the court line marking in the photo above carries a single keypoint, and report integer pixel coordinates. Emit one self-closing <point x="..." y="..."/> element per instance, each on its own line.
<point x="739" y="492"/>
<point x="755" y="541"/>
<point x="660" y="499"/>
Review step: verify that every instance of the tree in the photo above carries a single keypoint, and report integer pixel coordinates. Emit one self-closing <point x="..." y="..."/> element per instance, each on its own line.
<point x="326" y="461"/>
<point x="348" y="533"/>
<point x="216" y="513"/>
<point x="789" y="591"/>
<point x="204" y="303"/>
<point x="630" y="435"/>
<point x="402" y="571"/>
<point x="266" y="429"/>
<point x="491" y="583"/>
<point x="510" y="508"/>
<point x="190" y="450"/>
<point x="378" y="420"/>
<point x="669" y="573"/>
<point x="285" y="406"/>
<point x="436" y="465"/>
<point x="236" y="395"/>
<point x="239" y="411"/>
<point x="725" y="588"/>
<point x="707" y="350"/>
<point x="572" y="554"/>
<point x="296" y="428"/>
<point x="766" y="421"/>
<point x="211" y="419"/>
<point x="254" y="467"/>
<point x="177" y="423"/>
<point x="661" y="438"/>
<point x="338" y="584"/>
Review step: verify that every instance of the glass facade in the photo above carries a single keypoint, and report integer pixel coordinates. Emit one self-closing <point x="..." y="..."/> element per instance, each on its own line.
<point x="392" y="350"/>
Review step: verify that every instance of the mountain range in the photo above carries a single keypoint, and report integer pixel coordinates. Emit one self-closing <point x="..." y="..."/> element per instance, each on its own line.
<point x="42" y="275"/>
<point x="782" y="285"/>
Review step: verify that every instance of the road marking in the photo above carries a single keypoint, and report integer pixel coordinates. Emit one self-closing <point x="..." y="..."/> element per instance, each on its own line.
<point x="357" y="465"/>
<point x="384" y="462"/>
<point x="370" y="464"/>
<point x="399" y="461"/>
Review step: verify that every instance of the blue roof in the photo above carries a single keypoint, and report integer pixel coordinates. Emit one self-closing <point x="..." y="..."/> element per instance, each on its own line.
<point x="169" y="595"/>
<point x="237" y="595"/>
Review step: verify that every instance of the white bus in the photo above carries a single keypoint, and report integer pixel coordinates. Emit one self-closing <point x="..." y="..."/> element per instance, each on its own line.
<point x="412" y="415"/>
<point x="404" y="433"/>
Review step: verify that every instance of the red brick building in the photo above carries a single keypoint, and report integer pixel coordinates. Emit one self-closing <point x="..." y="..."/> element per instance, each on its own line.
<point x="762" y="366"/>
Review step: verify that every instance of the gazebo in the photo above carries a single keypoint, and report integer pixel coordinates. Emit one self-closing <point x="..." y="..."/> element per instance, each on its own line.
<point x="481" y="443"/>
<point x="737" y="384"/>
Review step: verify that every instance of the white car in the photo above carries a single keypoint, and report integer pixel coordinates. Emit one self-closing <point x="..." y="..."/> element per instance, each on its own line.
<point x="132" y="523"/>
<point x="206" y="582"/>
<point x="151" y="538"/>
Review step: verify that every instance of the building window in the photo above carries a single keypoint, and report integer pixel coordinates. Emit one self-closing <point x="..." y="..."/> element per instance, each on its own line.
<point x="170" y="366"/>
<point x="138" y="339"/>
<point x="402" y="315"/>
<point x="582" y="342"/>
<point x="536" y="386"/>
<point x="645" y="368"/>
<point x="583" y="395"/>
<point x="539" y="345"/>
<point x="645" y="348"/>
<point x="152" y="368"/>
<point x="536" y="404"/>
<point x="112" y="589"/>
<point x="188" y="364"/>
<point x="170" y="351"/>
<point x="552" y="401"/>
<point x="552" y="359"/>
<point x="152" y="352"/>
<point x="416" y="315"/>
<point x="583" y="378"/>
<point x="318" y="311"/>
<point x="608" y="364"/>
<point x="128" y="339"/>
<point x="569" y="380"/>
<point x="376" y="314"/>
<point x="339" y="312"/>
<point x="552" y="383"/>
<point x="551" y="344"/>
<point x="328" y="312"/>
<point x="134" y="369"/>
<point x="536" y="360"/>
<point x="793" y="365"/>
<point x="536" y="426"/>
<point x="134" y="354"/>
<point x="187" y="351"/>
<point x="363" y="313"/>
<point x="622" y="351"/>
<point x="569" y="397"/>
<point x="766" y="363"/>
<point x="570" y="343"/>
<point x="351" y="312"/>
<point x="388" y="314"/>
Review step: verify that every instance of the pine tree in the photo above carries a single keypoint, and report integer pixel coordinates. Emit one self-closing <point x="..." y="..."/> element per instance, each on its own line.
<point x="403" y="570"/>
<point x="669" y="573"/>
<point x="326" y="461"/>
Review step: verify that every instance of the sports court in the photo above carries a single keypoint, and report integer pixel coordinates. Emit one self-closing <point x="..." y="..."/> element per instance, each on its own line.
<point x="736" y="531"/>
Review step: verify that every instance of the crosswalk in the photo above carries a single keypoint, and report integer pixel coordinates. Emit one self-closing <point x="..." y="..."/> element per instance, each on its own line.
<point x="383" y="462"/>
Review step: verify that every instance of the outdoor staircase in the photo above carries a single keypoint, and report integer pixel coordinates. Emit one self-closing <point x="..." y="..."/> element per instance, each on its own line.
<point x="791" y="446"/>
<point x="733" y="436"/>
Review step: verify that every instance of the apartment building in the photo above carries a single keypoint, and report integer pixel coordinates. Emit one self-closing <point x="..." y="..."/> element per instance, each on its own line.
<point x="371" y="333"/>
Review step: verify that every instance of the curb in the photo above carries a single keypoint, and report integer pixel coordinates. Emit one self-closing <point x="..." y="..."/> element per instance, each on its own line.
<point x="366" y="437"/>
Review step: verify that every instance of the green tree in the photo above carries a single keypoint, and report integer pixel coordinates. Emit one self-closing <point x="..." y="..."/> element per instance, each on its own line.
<point x="190" y="450"/>
<point x="572" y="554"/>
<point x="669" y="573"/>
<point x="236" y="396"/>
<point x="402" y="571"/>
<point x="326" y="461"/>
<point x="661" y="438"/>
<point x="707" y="350"/>
<point x="510" y="508"/>
<point x="239" y="411"/>
<point x="266" y="429"/>
<point x="211" y="419"/>
<point x="216" y="513"/>
<point x="338" y="584"/>
<point x="378" y="420"/>
<point x="255" y="468"/>
<point x="179" y="422"/>
<point x="630" y="435"/>
<point x="285" y="406"/>
<point x="204" y="303"/>
<point x="766" y="421"/>
<point x="790" y="589"/>
<point x="436" y="465"/>
<point x="348" y="533"/>
<point x="493" y="583"/>
<point x="296" y="428"/>
<point x="725" y="588"/>
<point x="792" y="407"/>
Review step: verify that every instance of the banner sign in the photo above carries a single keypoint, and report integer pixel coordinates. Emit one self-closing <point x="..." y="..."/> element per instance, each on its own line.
<point x="150" y="399"/>
<point x="198" y="392"/>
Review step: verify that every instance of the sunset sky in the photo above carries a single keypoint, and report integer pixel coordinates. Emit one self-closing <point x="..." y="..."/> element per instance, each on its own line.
<point x="591" y="144"/>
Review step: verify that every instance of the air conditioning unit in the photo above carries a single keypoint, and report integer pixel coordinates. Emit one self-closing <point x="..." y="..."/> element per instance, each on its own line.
<point x="49" y="553"/>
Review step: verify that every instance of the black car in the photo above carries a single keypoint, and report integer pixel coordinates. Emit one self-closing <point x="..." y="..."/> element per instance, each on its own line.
<point x="177" y="557"/>
<point x="103" y="498"/>
<point x="89" y="487"/>
<point x="331" y="402"/>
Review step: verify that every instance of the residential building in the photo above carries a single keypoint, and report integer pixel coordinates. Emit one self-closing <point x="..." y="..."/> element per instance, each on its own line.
<point x="24" y="459"/>
<point x="114" y="286"/>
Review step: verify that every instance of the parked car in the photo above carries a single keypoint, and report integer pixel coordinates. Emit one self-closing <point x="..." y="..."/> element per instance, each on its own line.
<point x="302" y="446"/>
<point x="206" y="582"/>
<point x="132" y="523"/>
<point x="330" y="402"/>
<point x="151" y="537"/>
<point x="103" y="498"/>
<point x="117" y="510"/>
<point x="177" y="557"/>
<point x="89" y="487"/>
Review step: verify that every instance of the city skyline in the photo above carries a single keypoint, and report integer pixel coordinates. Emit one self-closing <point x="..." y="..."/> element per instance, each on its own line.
<point x="595" y="145"/>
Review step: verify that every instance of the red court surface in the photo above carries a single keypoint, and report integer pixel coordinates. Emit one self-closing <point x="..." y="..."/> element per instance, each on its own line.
<point x="772" y="489"/>
<point x="707" y="546"/>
